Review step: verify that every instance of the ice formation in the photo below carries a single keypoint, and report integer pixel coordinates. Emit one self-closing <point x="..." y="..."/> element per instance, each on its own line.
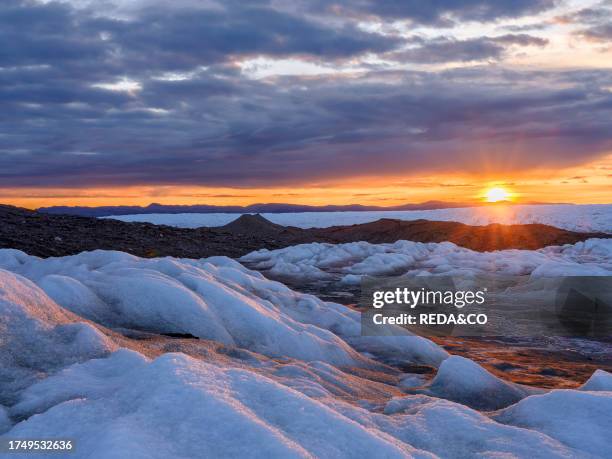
<point x="349" y="262"/>
<point x="85" y="354"/>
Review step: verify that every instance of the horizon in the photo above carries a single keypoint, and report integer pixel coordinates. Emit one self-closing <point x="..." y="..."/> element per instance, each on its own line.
<point x="436" y="203"/>
<point x="577" y="191"/>
<point x="479" y="203"/>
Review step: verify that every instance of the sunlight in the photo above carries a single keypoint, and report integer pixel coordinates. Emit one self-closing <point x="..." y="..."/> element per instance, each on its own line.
<point x="497" y="194"/>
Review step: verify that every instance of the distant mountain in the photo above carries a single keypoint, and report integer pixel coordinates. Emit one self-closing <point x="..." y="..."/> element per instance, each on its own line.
<point x="154" y="208"/>
<point x="272" y="208"/>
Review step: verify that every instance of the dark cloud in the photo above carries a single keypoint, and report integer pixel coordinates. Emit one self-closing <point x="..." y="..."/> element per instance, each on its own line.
<point x="300" y="130"/>
<point x="188" y="38"/>
<point x="600" y="33"/>
<point x="520" y="39"/>
<point x="439" y="12"/>
<point x="526" y="27"/>
<point x="597" y="22"/>
<point x="36" y="34"/>
<point x="170" y="39"/>
<point x="446" y="49"/>
<point x="593" y="15"/>
<point x="187" y="115"/>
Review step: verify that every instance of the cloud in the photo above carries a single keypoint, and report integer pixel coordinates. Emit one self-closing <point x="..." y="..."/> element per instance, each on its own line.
<point x="598" y="33"/>
<point x="439" y="12"/>
<point x="170" y="38"/>
<point x="156" y="96"/>
<point x="592" y="15"/>
<point x="295" y="130"/>
<point x="526" y="27"/>
<point x="445" y="49"/>
<point x="467" y="185"/>
<point x="596" y="22"/>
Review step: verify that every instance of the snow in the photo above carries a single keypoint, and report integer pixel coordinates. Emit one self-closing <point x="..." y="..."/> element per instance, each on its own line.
<point x="451" y="430"/>
<point x="410" y="381"/>
<point x="276" y="373"/>
<point x="583" y="218"/>
<point x="464" y="381"/>
<point x="349" y="262"/>
<point x="38" y="336"/>
<point x="177" y="406"/>
<point x="582" y="420"/>
<point x="214" y="298"/>
<point x="599" y="381"/>
<point x="224" y="412"/>
<point x="5" y="421"/>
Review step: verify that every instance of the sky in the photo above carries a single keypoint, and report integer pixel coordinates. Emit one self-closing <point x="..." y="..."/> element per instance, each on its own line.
<point x="317" y="102"/>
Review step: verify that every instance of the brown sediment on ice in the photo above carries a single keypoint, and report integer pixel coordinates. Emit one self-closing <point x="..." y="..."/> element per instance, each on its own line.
<point x="529" y="364"/>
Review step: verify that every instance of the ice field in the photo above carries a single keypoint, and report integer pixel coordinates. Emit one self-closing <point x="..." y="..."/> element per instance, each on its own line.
<point x="88" y="353"/>
<point x="351" y="261"/>
<point x="583" y="218"/>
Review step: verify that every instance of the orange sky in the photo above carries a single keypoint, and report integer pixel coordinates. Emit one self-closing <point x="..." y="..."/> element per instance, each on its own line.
<point x="591" y="183"/>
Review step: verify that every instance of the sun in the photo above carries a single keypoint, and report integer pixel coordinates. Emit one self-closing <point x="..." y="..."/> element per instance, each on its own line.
<point x="497" y="194"/>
